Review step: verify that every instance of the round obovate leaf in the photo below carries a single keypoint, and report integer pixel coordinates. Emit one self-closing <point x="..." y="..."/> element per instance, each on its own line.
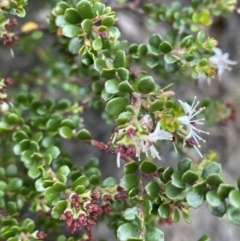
<point x="234" y="198"/>
<point x="145" y="84"/>
<point x="233" y="214"/>
<point x="148" y="167"/>
<point x="116" y="106"/>
<point x="127" y="230"/>
<point x="154" y="234"/>
<point x="213" y="199"/>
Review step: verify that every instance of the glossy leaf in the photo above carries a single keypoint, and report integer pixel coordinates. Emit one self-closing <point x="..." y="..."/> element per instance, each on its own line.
<point x="218" y="211"/>
<point x="194" y="199"/>
<point x="152" y="189"/>
<point x="71" y="31"/>
<point x="234" y="198"/>
<point x="71" y="15"/>
<point x="129" y="181"/>
<point x="210" y="169"/>
<point x="213" y="199"/>
<point x="116" y="106"/>
<point x="154" y="234"/>
<point x="130" y="167"/>
<point x="146" y="84"/>
<point x="148" y="167"/>
<point x="85" y="9"/>
<point x="127" y="230"/>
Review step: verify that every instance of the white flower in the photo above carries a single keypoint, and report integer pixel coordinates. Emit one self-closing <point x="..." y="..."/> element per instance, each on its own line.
<point x="221" y="60"/>
<point x="146" y="143"/>
<point x="202" y="78"/>
<point x="4" y="107"/>
<point x="189" y="121"/>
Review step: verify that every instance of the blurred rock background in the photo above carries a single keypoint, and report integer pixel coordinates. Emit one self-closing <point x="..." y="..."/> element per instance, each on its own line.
<point x="224" y="140"/>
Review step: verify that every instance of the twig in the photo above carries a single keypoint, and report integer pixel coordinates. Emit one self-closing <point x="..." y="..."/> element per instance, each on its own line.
<point x="103" y="147"/>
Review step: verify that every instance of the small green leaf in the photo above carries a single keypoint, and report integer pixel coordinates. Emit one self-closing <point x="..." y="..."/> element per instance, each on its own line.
<point x="51" y="195"/>
<point x="168" y="173"/>
<point x="152" y="62"/>
<point x="53" y="151"/>
<point x="164" y="210"/>
<point x="214" y="180"/>
<point x="172" y="192"/>
<point x="213" y="199"/>
<point x="61" y="21"/>
<point x="204" y="238"/>
<point x="108" y="73"/>
<point x="129" y="181"/>
<point x="218" y="211"/>
<point x="15" y="184"/>
<point x="211" y="168"/>
<point x="177" y="180"/>
<point x="84" y="135"/>
<point x="19" y="136"/>
<point x="155" y="40"/>
<point x="233" y="215"/>
<point x="170" y="58"/>
<point x="147" y="208"/>
<point x="127" y="230"/>
<point x="120" y="59"/>
<point x="146" y="84"/>
<point x="152" y="189"/>
<point x="130" y="167"/>
<point x="65" y="132"/>
<point x="199" y="187"/>
<point x="83" y="180"/>
<point x="194" y="199"/>
<point x="238" y="183"/>
<point x="87" y="26"/>
<point x="224" y="189"/>
<point x="148" y="167"/>
<point x="116" y="105"/>
<point x="125" y="86"/>
<point x="165" y="47"/>
<point x="59" y="209"/>
<point x="71" y="15"/>
<point x="142" y="49"/>
<point x="234" y="198"/>
<point x="74" y="45"/>
<point x="189" y="176"/>
<point x="34" y="171"/>
<point x="130" y="213"/>
<point x="97" y="44"/>
<point x="111" y="86"/>
<point x="85" y="9"/>
<point x="123" y="73"/>
<point x="58" y="187"/>
<point x="175" y="216"/>
<point x="71" y="31"/>
<point x="110" y="181"/>
<point x="108" y="21"/>
<point x="154" y="234"/>
<point x="156" y="105"/>
<point x="11" y="207"/>
<point x="100" y="64"/>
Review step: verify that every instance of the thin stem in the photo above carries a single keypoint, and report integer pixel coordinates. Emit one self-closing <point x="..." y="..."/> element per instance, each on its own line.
<point x="103" y="147"/>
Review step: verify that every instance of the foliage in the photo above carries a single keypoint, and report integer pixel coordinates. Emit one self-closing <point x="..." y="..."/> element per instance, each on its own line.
<point x="94" y="68"/>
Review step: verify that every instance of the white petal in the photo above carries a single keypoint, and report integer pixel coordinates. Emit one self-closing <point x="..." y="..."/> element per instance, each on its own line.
<point x="217" y="51"/>
<point x="214" y="60"/>
<point x="184" y="119"/>
<point x="118" y="159"/>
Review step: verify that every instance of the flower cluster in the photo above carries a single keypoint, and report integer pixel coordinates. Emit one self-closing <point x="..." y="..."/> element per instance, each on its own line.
<point x="190" y="122"/>
<point x="85" y="211"/>
<point x="142" y="143"/>
<point x="41" y="235"/>
<point x="8" y="37"/>
<point x="221" y="61"/>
